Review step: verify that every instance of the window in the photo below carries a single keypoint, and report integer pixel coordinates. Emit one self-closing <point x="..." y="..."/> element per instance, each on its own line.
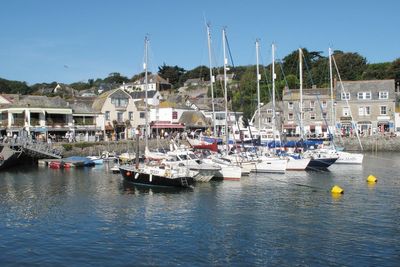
<point x="290" y="105"/>
<point x="120" y="116"/>
<point x="107" y="115"/>
<point x="324" y="103"/>
<point x="268" y="120"/>
<point x="119" y="102"/>
<point x="142" y="115"/>
<point x="346" y="96"/>
<point x="220" y="116"/>
<point x="364" y="95"/>
<point x="312" y="116"/>
<point x="290" y="116"/>
<point x="269" y="111"/>
<point x="130" y="114"/>
<point x="324" y="115"/>
<point x="364" y="111"/>
<point x="383" y="110"/>
<point x="346" y="112"/>
<point x="174" y="115"/>
<point x="383" y="95"/>
<point x="312" y="104"/>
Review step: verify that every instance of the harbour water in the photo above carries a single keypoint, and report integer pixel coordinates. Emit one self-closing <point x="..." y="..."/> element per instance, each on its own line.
<point x="86" y="217"/>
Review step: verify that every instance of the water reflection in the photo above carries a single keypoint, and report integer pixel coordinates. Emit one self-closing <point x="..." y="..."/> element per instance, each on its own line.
<point x="136" y="189"/>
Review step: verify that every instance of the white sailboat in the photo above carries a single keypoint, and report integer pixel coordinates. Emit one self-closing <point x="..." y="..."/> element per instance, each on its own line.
<point x="344" y="157"/>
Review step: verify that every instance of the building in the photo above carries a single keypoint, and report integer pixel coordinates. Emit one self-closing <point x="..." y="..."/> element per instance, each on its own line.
<point x="368" y="106"/>
<point x="119" y="112"/>
<point x="266" y="114"/>
<point x="154" y="83"/>
<point x="317" y="118"/>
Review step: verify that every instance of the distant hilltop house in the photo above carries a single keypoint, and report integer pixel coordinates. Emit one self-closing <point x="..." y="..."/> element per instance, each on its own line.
<point x="195" y="82"/>
<point x="229" y="77"/>
<point x="60" y="89"/>
<point x="154" y="83"/>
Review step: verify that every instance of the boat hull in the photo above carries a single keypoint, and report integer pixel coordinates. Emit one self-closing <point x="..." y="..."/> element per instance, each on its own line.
<point x="349" y="158"/>
<point x="321" y="163"/>
<point x="270" y="166"/>
<point x="153" y="178"/>
<point x="297" y="164"/>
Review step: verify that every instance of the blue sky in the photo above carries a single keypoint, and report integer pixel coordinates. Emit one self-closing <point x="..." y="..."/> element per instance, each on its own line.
<point x="75" y="40"/>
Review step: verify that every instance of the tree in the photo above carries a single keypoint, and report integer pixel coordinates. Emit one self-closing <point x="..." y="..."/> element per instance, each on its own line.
<point x="351" y="65"/>
<point x="116" y="78"/>
<point x="394" y="70"/>
<point x="172" y="74"/>
<point x="200" y="72"/>
<point x="377" y="71"/>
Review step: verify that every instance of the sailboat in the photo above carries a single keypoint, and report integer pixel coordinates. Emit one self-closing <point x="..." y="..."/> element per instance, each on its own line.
<point x="344" y="157"/>
<point x="319" y="158"/>
<point x="152" y="173"/>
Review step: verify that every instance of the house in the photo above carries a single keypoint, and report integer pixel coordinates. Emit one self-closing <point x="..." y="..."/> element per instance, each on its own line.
<point x="317" y="118"/>
<point x="153" y="97"/>
<point x="266" y="116"/>
<point x="154" y="83"/>
<point x="38" y="116"/>
<point x="196" y="82"/>
<point x="365" y="106"/>
<point x="84" y="118"/>
<point x="119" y="112"/>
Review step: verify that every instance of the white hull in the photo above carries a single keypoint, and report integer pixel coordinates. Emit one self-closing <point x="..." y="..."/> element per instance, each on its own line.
<point x="272" y="165"/>
<point x="297" y="164"/>
<point x="229" y="173"/>
<point x="349" y="158"/>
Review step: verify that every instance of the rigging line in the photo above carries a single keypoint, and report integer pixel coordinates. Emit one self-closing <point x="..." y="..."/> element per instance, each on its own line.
<point x="296" y="111"/>
<point x="326" y="122"/>
<point x="308" y="69"/>
<point x="347" y="102"/>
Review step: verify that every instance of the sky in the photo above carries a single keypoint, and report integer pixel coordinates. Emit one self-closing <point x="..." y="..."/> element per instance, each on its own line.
<point x="76" y="40"/>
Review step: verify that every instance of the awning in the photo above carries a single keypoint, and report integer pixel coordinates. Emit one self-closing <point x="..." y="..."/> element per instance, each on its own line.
<point x="59" y="111"/>
<point x="167" y="126"/>
<point x="289" y="126"/>
<point x="16" y="111"/>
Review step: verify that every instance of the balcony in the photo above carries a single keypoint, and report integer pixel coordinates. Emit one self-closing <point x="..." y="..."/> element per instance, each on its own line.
<point x="18" y="122"/>
<point x="56" y="123"/>
<point x="35" y="122"/>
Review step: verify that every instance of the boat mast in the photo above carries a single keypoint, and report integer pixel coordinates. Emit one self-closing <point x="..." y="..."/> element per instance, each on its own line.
<point x="258" y="86"/>
<point x="331" y="84"/>
<point x="273" y="90"/>
<point x="225" y="89"/>
<point x="146" y="42"/>
<point x="211" y="76"/>
<point x="301" y="92"/>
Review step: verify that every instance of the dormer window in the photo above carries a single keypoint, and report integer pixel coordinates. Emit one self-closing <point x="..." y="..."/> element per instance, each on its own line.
<point x="383" y="95"/>
<point x="119" y="102"/>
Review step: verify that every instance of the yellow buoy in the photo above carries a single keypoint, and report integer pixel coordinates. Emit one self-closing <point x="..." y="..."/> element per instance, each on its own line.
<point x="337" y="190"/>
<point x="371" y="179"/>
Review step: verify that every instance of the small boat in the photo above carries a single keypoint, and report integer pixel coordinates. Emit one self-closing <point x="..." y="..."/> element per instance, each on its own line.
<point x="201" y="144"/>
<point x="156" y="175"/>
<point x="56" y="164"/>
<point x="320" y="158"/>
<point x="96" y="160"/>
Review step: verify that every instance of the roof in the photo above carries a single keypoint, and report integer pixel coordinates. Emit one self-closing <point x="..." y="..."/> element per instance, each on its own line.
<point x="370" y="85"/>
<point x="193" y="119"/>
<point x="142" y="94"/>
<point x="101" y="99"/>
<point x="38" y="102"/>
<point x="152" y="78"/>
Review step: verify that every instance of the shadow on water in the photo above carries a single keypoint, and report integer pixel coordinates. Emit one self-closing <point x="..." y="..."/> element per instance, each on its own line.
<point x="136" y="189"/>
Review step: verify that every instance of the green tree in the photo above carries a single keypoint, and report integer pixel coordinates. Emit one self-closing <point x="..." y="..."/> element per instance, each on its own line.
<point x="351" y="65"/>
<point x="172" y="73"/>
<point x="394" y="70"/>
<point x="376" y="71"/>
<point x="116" y="78"/>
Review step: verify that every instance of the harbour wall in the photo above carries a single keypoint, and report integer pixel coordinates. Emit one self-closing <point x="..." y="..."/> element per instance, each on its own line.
<point x="369" y="144"/>
<point x="96" y="148"/>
